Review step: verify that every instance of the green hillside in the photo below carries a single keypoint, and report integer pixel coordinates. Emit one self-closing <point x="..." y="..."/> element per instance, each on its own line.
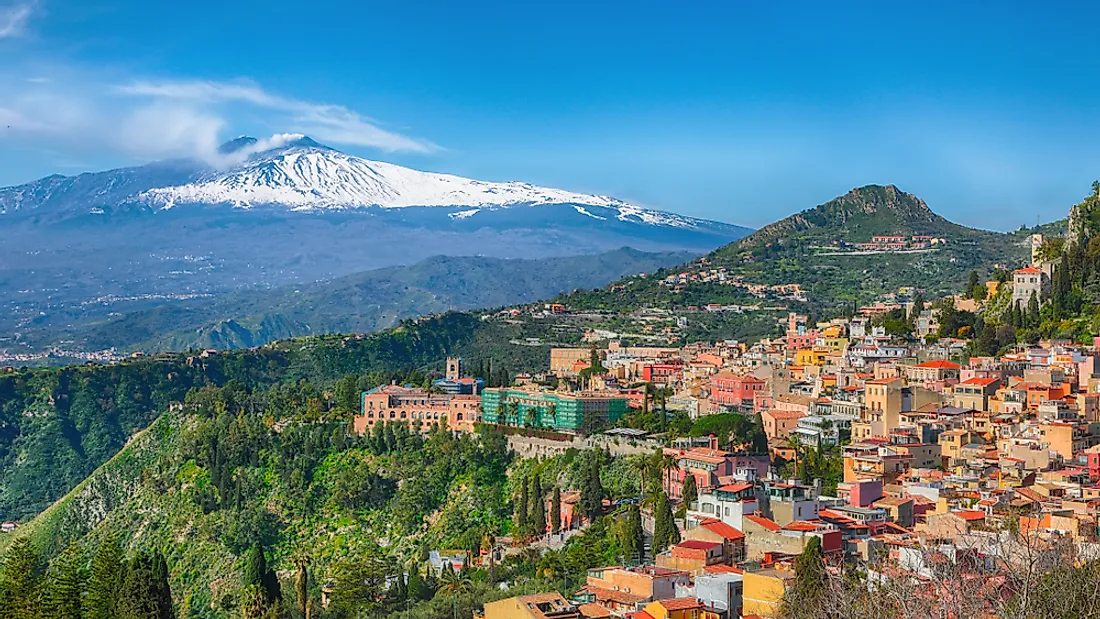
<point x="816" y="249"/>
<point x="359" y="303"/>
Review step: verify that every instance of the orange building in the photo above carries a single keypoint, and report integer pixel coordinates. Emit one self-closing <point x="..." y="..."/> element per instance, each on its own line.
<point x="418" y="409"/>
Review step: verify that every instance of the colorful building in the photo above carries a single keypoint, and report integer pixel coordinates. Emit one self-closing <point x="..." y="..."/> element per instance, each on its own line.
<point x="570" y="412"/>
<point x="417" y="408"/>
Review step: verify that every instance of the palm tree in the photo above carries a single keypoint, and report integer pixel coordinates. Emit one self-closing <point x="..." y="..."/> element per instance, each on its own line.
<point x="454" y="582"/>
<point x="794" y="442"/>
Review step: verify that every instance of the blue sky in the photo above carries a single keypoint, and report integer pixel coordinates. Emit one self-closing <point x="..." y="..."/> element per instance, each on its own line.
<point x="738" y="111"/>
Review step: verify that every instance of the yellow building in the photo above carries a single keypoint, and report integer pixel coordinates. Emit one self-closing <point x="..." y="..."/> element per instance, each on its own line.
<point x="811" y="356"/>
<point x="764" y="591"/>
<point x="677" y="608"/>
<point x="538" y="606"/>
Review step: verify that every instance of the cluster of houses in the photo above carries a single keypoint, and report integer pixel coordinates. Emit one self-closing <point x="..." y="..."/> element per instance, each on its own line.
<point x="709" y="274"/>
<point x="900" y="242"/>
<point x="938" y="457"/>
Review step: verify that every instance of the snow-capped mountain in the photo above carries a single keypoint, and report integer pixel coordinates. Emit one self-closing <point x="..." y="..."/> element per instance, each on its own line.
<point x="303" y="175"/>
<point x="286" y="210"/>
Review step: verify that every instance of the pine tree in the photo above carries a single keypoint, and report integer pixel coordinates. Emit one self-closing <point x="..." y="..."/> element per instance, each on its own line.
<point x="972" y="284"/>
<point x="65" y="584"/>
<point x="665" y="532"/>
<point x="104" y="581"/>
<point x="538" y="507"/>
<point x="555" y="511"/>
<point x="1033" y="311"/>
<point x="20" y="581"/>
<point x="691" y="491"/>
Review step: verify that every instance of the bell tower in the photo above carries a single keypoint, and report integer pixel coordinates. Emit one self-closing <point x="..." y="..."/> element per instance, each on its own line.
<point x="454" y="368"/>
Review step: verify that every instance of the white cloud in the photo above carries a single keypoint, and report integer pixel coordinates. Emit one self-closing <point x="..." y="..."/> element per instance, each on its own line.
<point x="13" y="19"/>
<point x="325" y="122"/>
<point x="82" y="114"/>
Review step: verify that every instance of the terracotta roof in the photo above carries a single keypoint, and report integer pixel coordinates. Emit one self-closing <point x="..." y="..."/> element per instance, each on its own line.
<point x="984" y="382"/>
<point x="970" y="515"/>
<point x="622" y="597"/>
<point x="1028" y="270"/>
<point x="680" y="603"/>
<point x="641" y="614"/>
<point x="778" y="414"/>
<point x="770" y="525"/>
<point x="740" y="487"/>
<point x="697" y="544"/>
<point x="800" y="525"/>
<point x="939" y="365"/>
<point x="720" y="528"/>
<point x="593" y="611"/>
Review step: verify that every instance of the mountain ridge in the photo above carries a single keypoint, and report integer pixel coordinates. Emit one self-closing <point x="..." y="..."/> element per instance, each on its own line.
<point x="859" y="208"/>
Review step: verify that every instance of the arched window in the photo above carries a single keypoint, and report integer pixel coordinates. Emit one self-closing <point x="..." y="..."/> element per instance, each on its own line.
<point x="404" y="415"/>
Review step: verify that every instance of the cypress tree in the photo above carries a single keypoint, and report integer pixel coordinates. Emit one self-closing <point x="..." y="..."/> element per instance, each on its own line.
<point x="1033" y="311"/>
<point x="592" y="492"/>
<point x="104" y="581"/>
<point x="665" y="532"/>
<point x="416" y="583"/>
<point x="555" y="511"/>
<point x="691" y="491"/>
<point x="301" y="587"/>
<point x="538" y="507"/>
<point x="521" y="509"/>
<point x="145" y="593"/>
<point x="255" y="567"/>
<point x="634" y="536"/>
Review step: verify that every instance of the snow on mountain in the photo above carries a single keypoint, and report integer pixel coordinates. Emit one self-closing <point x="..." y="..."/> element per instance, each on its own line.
<point x="303" y="175"/>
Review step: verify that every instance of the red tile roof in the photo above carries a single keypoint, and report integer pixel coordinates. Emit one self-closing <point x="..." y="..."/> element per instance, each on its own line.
<point x="800" y="525"/>
<point x="970" y="515"/>
<point x="770" y="525"/>
<point x="720" y="528"/>
<point x="1028" y="270"/>
<point x="939" y="365"/>
<point x="984" y="382"/>
<point x="697" y="544"/>
<point x="740" y="487"/>
<point x="680" y="603"/>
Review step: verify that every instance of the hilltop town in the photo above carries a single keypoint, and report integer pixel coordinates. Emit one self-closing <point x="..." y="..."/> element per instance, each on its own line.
<point x="883" y="450"/>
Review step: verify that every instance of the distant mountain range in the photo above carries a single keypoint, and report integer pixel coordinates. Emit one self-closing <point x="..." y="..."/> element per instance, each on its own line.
<point x="280" y="211"/>
<point x="293" y="172"/>
<point x="358" y="303"/>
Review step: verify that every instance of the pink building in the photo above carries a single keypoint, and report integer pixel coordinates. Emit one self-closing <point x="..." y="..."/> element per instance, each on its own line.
<point x="709" y="466"/>
<point x="735" y="390"/>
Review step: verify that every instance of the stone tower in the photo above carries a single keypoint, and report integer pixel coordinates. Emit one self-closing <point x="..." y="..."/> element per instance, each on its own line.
<point x="454" y="368"/>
